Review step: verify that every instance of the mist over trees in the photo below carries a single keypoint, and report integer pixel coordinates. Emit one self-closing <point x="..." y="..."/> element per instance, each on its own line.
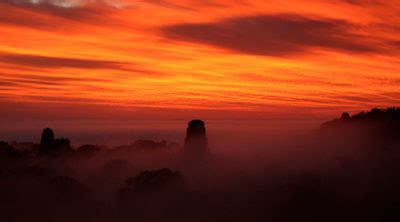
<point x="348" y="170"/>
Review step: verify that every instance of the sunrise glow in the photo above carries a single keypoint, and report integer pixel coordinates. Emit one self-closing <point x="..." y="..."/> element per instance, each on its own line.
<point x="317" y="58"/>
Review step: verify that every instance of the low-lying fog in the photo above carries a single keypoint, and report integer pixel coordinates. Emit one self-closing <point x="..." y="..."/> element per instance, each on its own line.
<point x="256" y="170"/>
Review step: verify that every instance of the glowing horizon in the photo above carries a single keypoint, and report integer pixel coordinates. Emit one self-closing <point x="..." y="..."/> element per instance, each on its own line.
<point x="214" y="58"/>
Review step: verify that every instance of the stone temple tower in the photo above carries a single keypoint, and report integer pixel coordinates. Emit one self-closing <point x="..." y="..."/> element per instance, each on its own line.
<point x="47" y="141"/>
<point x="196" y="144"/>
<point x="49" y="145"/>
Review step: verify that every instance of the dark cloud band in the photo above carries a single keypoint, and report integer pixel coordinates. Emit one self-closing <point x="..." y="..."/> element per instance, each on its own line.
<point x="273" y="35"/>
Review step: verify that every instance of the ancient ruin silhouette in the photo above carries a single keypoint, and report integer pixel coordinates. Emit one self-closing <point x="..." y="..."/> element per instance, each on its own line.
<point x="347" y="169"/>
<point x="50" y="145"/>
<point x="196" y="143"/>
<point x="47" y="141"/>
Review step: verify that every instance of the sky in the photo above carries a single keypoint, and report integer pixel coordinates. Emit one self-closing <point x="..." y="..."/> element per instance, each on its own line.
<point x="178" y="59"/>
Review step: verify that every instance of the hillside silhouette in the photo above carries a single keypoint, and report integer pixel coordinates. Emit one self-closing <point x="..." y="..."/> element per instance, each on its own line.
<point x="379" y="128"/>
<point x="385" y="120"/>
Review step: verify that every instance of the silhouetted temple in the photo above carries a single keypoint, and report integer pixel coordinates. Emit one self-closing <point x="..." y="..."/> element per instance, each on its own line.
<point x="50" y="145"/>
<point x="196" y="144"/>
<point x="47" y="141"/>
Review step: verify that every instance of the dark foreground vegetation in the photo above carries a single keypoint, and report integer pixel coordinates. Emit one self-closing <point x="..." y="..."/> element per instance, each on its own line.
<point x="349" y="171"/>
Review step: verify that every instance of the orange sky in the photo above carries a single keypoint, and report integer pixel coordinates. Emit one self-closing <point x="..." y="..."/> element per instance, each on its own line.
<point x="197" y="58"/>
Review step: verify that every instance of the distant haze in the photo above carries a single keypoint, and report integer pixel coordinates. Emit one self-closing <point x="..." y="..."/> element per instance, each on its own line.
<point x="220" y="132"/>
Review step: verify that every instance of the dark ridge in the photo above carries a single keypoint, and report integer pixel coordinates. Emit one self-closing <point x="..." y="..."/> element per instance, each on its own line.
<point x="376" y="118"/>
<point x="378" y="128"/>
<point x="388" y="115"/>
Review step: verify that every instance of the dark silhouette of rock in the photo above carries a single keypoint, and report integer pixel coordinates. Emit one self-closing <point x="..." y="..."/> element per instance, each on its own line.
<point x="51" y="146"/>
<point x="196" y="144"/>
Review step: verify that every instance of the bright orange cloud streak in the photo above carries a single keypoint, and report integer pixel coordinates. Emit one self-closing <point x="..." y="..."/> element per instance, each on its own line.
<point x="270" y="57"/>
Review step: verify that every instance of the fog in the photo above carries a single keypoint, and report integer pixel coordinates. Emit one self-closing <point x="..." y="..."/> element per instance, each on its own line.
<point x="344" y="170"/>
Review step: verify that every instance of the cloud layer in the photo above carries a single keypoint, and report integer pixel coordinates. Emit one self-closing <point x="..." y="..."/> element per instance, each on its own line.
<point x="273" y="35"/>
<point x="67" y="3"/>
<point x="52" y="14"/>
<point x="54" y="62"/>
<point x="273" y="57"/>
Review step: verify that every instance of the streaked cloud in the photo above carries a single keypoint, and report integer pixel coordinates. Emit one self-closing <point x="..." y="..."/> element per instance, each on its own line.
<point x="53" y="14"/>
<point x="68" y="3"/>
<point x="38" y="61"/>
<point x="200" y="56"/>
<point x="274" y="35"/>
